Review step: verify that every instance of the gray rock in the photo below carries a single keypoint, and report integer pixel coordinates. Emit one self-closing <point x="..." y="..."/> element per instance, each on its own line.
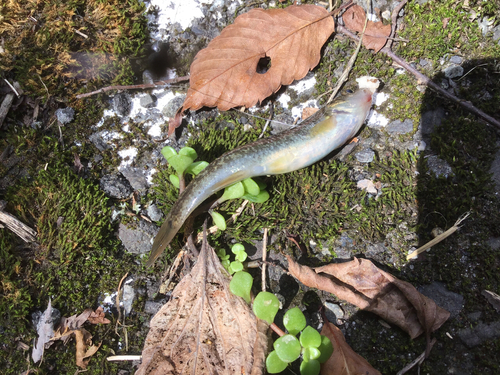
<point x="122" y="104"/>
<point x="137" y="240"/>
<point x="472" y="337"/>
<point x="147" y="77"/>
<point x="454" y="71"/>
<point x="496" y="33"/>
<point x="152" y="307"/>
<point x="439" y="167"/>
<point x="494" y="242"/>
<point x="135" y="177"/>
<point x="147" y="101"/>
<point x="374" y="250"/>
<point x="431" y="119"/>
<point x="98" y="140"/>
<point x="333" y="312"/>
<point x="456" y="60"/>
<point x="172" y="106"/>
<point x="365" y="156"/>
<point x="343" y="247"/>
<point x="398" y="127"/>
<point x="154" y="212"/>
<point x="128" y="298"/>
<point x="65" y="115"/>
<point x="450" y="301"/>
<point x="423" y="62"/>
<point x="115" y="186"/>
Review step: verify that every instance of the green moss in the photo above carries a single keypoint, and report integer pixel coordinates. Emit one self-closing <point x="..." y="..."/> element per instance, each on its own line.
<point x="49" y="58"/>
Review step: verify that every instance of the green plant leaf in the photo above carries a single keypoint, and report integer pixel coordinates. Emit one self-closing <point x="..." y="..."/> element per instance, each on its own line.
<point x="167" y="152"/>
<point x="308" y="354"/>
<point x="265" y="306"/>
<point x="179" y="162"/>
<point x="294" y="321"/>
<point x="241" y="285"/>
<point x="259" y="198"/>
<point x="274" y="364"/>
<point x="237" y="247"/>
<point x="310" y="338"/>
<point x="196" y="167"/>
<point x="235" y="266"/>
<point x="311" y="367"/>
<point x="174" y="180"/>
<point x="251" y="186"/>
<point x="189" y="152"/>
<point x="241" y="256"/>
<point x="218" y="220"/>
<point x="233" y="191"/>
<point x="225" y="263"/>
<point x="326" y="349"/>
<point x="287" y="348"/>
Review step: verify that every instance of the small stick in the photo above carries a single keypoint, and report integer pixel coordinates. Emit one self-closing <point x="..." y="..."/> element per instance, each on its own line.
<point x="12" y="87"/>
<point x="117" y="302"/>
<point x="428" y="82"/>
<point x="394" y="22"/>
<point x="80" y="33"/>
<point x="135" y="87"/>
<point x="125" y="358"/>
<point x="22" y="230"/>
<point x="7" y="102"/>
<point x="439" y="238"/>
<point x="416" y="361"/>
<point x="277" y="330"/>
<point x="264" y="258"/>
<point x="268" y="120"/>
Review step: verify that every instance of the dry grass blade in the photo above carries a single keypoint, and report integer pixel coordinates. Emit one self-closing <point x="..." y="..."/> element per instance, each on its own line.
<point x="224" y="74"/>
<point x="204" y="328"/>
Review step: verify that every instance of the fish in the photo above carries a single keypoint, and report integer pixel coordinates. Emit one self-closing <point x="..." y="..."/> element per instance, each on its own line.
<point x="296" y="148"/>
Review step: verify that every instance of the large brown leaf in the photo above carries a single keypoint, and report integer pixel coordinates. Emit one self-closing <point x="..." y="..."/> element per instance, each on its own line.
<point x="361" y="283"/>
<point x="344" y="360"/>
<point x="376" y="33"/>
<point x="224" y="74"/>
<point x="204" y="328"/>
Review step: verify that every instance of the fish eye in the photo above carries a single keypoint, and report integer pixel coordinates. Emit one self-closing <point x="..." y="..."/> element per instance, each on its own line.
<point x="349" y="91"/>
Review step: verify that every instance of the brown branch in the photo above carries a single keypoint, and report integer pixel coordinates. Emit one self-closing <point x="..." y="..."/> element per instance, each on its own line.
<point x="394" y="22"/>
<point x="144" y="86"/>
<point x="19" y="228"/>
<point x="422" y="78"/>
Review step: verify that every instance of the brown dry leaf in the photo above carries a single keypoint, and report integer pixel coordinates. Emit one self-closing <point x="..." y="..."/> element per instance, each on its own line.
<point x="376" y="33"/>
<point x="361" y="283"/>
<point x="84" y="347"/>
<point x="344" y="360"/>
<point x="224" y="74"/>
<point x="98" y="317"/>
<point x="204" y="328"/>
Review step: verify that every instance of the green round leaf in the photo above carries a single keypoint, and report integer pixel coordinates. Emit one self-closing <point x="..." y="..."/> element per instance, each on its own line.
<point x="236" y="266"/>
<point x="308" y="354"/>
<point x="168" y="152"/>
<point x="189" y="152"/>
<point x="287" y="348"/>
<point x="294" y="321"/>
<point x="179" y="163"/>
<point x="251" y="186"/>
<point x="174" y="180"/>
<point x="218" y="220"/>
<point x="241" y="256"/>
<point x="233" y="191"/>
<point x="274" y="364"/>
<point x="265" y="306"/>
<point x="225" y="263"/>
<point x="310" y="338"/>
<point x="237" y="247"/>
<point x="241" y="284"/>
<point x="259" y="198"/>
<point x="196" y="167"/>
<point x="326" y="349"/>
<point x="310" y="367"/>
<point x="221" y="253"/>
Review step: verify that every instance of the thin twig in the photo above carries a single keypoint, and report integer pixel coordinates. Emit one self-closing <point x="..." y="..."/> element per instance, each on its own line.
<point x="124" y="358"/>
<point x="12" y="88"/>
<point x="439" y="238"/>
<point x="423" y="79"/>
<point x="135" y="87"/>
<point x="80" y="33"/>
<point x="277" y="329"/>
<point x="349" y="66"/>
<point x="117" y="302"/>
<point x="264" y="258"/>
<point x="394" y="22"/>
<point x="268" y="120"/>
<point x="416" y="361"/>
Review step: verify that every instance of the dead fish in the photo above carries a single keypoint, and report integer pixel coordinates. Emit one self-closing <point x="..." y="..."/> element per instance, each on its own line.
<point x="293" y="149"/>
